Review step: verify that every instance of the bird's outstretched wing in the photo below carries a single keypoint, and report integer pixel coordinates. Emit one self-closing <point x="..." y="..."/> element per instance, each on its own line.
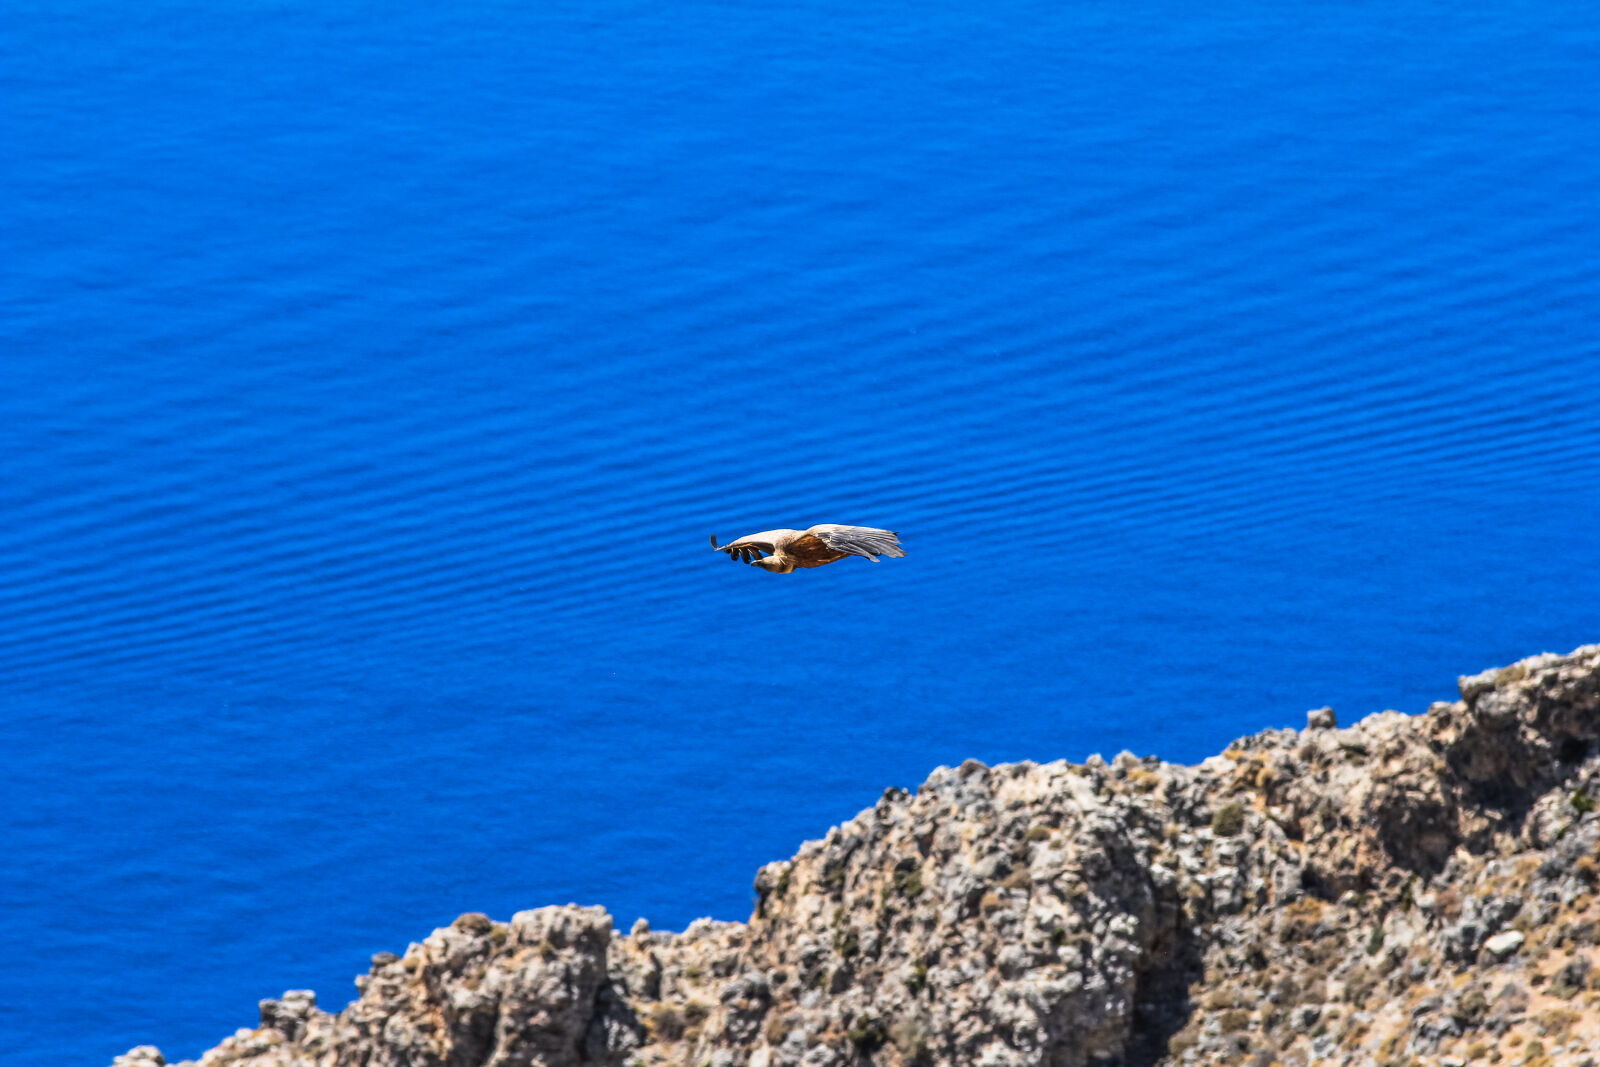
<point x="859" y="540"/>
<point x="744" y="549"/>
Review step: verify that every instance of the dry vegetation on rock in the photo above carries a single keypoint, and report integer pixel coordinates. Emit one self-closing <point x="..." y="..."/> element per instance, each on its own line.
<point x="1410" y="890"/>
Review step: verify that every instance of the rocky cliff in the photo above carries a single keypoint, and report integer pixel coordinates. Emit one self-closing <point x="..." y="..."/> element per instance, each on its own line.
<point x="1409" y="890"/>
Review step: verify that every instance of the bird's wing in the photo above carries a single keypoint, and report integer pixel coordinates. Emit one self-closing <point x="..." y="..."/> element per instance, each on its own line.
<point x="746" y="548"/>
<point x="859" y="540"/>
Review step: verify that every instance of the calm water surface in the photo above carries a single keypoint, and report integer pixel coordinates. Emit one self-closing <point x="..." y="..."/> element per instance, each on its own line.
<point x="371" y="377"/>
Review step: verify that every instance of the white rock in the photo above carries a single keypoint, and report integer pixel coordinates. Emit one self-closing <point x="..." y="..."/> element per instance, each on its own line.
<point x="1502" y="945"/>
<point x="143" y="1056"/>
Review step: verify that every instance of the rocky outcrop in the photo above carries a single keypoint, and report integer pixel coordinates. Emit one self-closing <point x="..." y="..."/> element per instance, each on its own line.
<point x="1411" y="889"/>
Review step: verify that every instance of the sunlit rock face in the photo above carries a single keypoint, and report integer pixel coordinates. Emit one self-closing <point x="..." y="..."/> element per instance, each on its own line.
<point x="1404" y="887"/>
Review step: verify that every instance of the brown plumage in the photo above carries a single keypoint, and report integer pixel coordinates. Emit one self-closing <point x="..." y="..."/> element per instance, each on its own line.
<point x="782" y="551"/>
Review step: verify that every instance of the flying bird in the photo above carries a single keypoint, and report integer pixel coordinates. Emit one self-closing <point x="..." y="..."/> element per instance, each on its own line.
<point x="782" y="551"/>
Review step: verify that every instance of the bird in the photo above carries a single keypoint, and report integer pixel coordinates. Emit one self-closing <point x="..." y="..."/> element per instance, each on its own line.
<point x="783" y="551"/>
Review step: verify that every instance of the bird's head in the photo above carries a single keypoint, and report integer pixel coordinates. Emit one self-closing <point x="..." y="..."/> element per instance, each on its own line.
<point x="775" y="564"/>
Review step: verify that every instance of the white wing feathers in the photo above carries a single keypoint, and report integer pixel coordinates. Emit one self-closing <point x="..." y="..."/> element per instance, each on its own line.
<point x="859" y="540"/>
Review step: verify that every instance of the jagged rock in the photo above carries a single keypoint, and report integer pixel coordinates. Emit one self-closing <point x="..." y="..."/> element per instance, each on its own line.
<point x="143" y="1056"/>
<point x="1502" y="945"/>
<point x="1407" y="886"/>
<point x="289" y="1014"/>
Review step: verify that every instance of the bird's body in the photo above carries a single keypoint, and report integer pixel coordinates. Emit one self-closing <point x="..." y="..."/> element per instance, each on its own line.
<point x="783" y="551"/>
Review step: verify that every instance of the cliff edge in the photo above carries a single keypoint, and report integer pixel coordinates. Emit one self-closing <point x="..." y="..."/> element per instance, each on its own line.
<point x="1409" y="890"/>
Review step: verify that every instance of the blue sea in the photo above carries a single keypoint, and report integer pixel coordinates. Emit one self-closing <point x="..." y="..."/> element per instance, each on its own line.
<point x="372" y="377"/>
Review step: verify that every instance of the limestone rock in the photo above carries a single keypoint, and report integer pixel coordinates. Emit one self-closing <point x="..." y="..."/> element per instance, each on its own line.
<point x="1406" y="889"/>
<point x="1502" y="945"/>
<point x="143" y="1056"/>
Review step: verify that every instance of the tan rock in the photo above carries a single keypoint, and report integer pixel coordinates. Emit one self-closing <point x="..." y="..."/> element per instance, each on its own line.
<point x="1408" y="886"/>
